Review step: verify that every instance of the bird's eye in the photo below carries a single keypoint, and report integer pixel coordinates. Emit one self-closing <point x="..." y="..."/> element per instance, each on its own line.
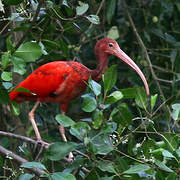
<point x="110" y="45"/>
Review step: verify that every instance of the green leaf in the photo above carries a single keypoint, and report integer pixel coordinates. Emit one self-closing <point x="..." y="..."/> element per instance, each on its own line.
<point x="141" y="98"/>
<point x="106" y="166"/>
<point x="113" y="97"/>
<point x="6" y="76"/>
<point x="80" y="130"/>
<point x="111" y="6"/>
<point x="136" y="169"/>
<point x="82" y="8"/>
<point x="13" y="2"/>
<point x="107" y="178"/>
<point x="176" y="110"/>
<point x="5" y="60"/>
<point x="19" y="65"/>
<point x="7" y="85"/>
<point x="172" y="176"/>
<point x="93" y="19"/>
<point x="21" y="89"/>
<point x="95" y="87"/>
<point x="4" y="96"/>
<point x="129" y="93"/>
<point x="62" y="176"/>
<point x="102" y="144"/>
<point x="9" y="44"/>
<point x="113" y="33"/>
<point x="162" y="166"/>
<point x="110" y="77"/>
<point x="64" y="47"/>
<point x="163" y="152"/>
<point x="29" y="52"/>
<point x="173" y="55"/>
<point x="60" y="150"/>
<point x="89" y="103"/>
<point x="64" y="120"/>
<point x="33" y="165"/>
<point x="153" y="100"/>
<point x="26" y="176"/>
<point x="15" y="109"/>
<point x="97" y="119"/>
<point x="123" y="115"/>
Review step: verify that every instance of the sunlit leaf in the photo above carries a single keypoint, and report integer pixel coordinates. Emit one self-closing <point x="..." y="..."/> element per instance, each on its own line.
<point x="26" y="176"/>
<point x="6" y="76"/>
<point x="64" y="120"/>
<point x="62" y="176"/>
<point x="89" y="103"/>
<point x="29" y="51"/>
<point x="153" y="100"/>
<point x="59" y="150"/>
<point x="95" y="87"/>
<point x="33" y="165"/>
<point x="137" y="168"/>
<point x="82" y="8"/>
<point x="93" y="19"/>
<point x="162" y="166"/>
<point x="106" y="166"/>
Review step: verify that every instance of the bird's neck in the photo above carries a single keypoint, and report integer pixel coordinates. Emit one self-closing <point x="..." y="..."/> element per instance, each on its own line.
<point x="102" y="65"/>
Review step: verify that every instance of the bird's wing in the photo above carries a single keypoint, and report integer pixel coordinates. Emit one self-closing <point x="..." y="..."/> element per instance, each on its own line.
<point x="50" y="80"/>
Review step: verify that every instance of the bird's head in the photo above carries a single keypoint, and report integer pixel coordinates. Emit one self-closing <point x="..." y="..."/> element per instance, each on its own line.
<point x="110" y="47"/>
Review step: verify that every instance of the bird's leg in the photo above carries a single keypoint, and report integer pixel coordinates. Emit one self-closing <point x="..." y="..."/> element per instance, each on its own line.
<point x="62" y="131"/>
<point x="32" y="119"/>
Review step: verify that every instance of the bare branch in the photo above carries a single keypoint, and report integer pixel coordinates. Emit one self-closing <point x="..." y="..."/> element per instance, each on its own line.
<point x="20" y="160"/>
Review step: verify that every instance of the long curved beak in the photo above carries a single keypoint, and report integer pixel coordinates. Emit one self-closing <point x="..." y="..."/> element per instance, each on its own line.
<point x="124" y="57"/>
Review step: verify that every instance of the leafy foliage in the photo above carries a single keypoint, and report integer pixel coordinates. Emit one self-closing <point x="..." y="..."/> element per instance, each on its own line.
<point x="115" y="130"/>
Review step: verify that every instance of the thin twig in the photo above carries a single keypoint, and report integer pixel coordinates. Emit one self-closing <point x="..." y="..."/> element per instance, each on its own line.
<point x="20" y="160"/>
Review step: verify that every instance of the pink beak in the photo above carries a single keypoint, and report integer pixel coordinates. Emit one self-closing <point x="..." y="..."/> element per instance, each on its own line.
<point x="123" y="56"/>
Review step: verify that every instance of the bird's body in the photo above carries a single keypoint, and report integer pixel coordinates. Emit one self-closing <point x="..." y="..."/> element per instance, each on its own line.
<point x="58" y="81"/>
<point x="62" y="81"/>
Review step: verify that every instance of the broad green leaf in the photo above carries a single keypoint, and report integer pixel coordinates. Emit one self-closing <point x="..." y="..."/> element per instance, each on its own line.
<point x="19" y="65"/>
<point x="6" y="76"/>
<point x="113" y="97"/>
<point x="29" y="52"/>
<point x="106" y="178"/>
<point x="97" y="119"/>
<point x="33" y="165"/>
<point x="178" y="152"/>
<point x="60" y="150"/>
<point x="62" y="176"/>
<point x="111" y="6"/>
<point x="129" y="93"/>
<point x="164" y="152"/>
<point x="7" y="85"/>
<point x="109" y="128"/>
<point x="93" y="19"/>
<point x="95" y="87"/>
<point x="89" y="103"/>
<point x="113" y="33"/>
<point x="5" y="60"/>
<point x="102" y="144"/>
<point x="110" y="77"/>
<point x="153" y="100"/>
<point x="21" y="89"/>
<point x="162" y="166"/>
<point x="26" y="176"/>
<point x="80" y="130"/>
<point x="64" y="120"/>
<point x="141" y="98"/>
<point x="106" y="166"/>
<point x="4" y="96"/>
<point x="15" y="109"/>
<point x="176" y="110"/>
<point x="123" y="116"/>
<point x="82" y="8"/>
<point x="136" y="169"/>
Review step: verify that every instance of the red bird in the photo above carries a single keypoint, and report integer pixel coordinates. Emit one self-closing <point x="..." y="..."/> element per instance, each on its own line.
<point x="62" y="81"/>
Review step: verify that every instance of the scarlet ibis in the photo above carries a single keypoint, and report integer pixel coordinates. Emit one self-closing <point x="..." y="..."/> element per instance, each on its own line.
<point x="62" y="81"/>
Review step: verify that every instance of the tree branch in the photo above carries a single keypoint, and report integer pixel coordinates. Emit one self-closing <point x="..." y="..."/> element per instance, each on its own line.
<point x="20" y="160"/>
